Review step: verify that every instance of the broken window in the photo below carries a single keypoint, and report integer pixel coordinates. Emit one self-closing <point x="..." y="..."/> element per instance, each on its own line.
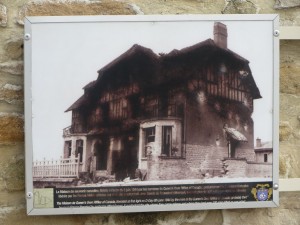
<point x="79" y="149"/>
<point x="100" y="151"/>
<point x="166" y="140"/>
<point x="172" y="104"/>
<point x="265" y="157"/>
<point x="151" y="106"/>
<point x="149" y="137"/>
<point x="68" y="149"/>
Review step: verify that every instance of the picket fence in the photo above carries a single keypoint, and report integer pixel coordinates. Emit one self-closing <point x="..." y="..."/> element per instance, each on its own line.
<point x="60" y="168"/>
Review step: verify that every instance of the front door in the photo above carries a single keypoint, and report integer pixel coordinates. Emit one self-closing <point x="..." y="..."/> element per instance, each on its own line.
<point x="101" y="149"/>
<point x="127" y="162"/>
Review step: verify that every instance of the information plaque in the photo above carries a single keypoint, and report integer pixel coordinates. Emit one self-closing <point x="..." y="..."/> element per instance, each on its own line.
<point x="151" y="113"/>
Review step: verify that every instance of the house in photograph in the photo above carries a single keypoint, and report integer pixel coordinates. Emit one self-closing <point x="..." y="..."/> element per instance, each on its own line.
<point x="263" y="151"/>
<point x="168" y="116"/>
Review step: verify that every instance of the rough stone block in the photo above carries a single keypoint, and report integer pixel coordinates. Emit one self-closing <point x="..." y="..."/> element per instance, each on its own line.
<point x="180" y="6"/>
<point x="240" y="7"/>
<point x="284" y="4"/>
<point x="290" y="67"/>
<point x="289" y="17"/>
<point x="11" y="96"/>
<point x="15" y="106"/>
<point x="285" y="131"/>
<point x="213" y="217"/>
<point x="289" y="166"/>
<point x="12" y="87"/>
<point x="3" y="16"/>
<point x="289" y="78"/>
<point x="12" y="67"/>
<point x="10" y="153"/>
<point x="12" y="127"/>
<point x="273" y="216"/>
<point x="17" y="215"/>
<point x="289" y="115"/>
<point x="13" y="174"/>
<point x="11" y="200"/>
<point x="135" y="219"/>
<point x="136" y="9"/>
<point x="14" y="48"/>
<point x="289" y="52"/>
<point x="67" y="8"/>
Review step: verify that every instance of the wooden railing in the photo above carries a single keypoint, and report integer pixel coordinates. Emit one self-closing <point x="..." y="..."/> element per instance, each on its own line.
<point x="56" y="168"/>
<point x="67" y="131"/>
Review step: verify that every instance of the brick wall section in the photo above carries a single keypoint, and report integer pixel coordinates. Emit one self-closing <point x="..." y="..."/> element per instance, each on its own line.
<point x="259" y="170"/>
<point x="200" y="162"/>
<point x="168" y="169"/>
<point x="236" y="167"/>
<point x="204" y="161"/>
<point x="12" y="200"/>
<point x="207" y="158"/>
<point x="173" y="168"/>
<point x="249" y="154"/>
<point x="244" y="168"/>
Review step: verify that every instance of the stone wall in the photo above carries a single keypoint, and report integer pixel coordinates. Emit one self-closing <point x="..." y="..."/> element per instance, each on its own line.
<point x="259" y="169"/>
<point x="205" y="161"/>
<point x="244" y="168"/>
<point x="12" y="198"/>
<point x="236" y="167"/>
<point x="167" y="169"/>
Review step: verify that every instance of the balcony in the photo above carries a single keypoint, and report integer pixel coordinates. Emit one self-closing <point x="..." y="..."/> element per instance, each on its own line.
<point x="68" y="131"/>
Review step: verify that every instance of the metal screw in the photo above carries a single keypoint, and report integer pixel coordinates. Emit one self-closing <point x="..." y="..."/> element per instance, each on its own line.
<point x="27" y="37"/>
<point x="275" y="186"/>
<point x="276" y="33"/>
<point x="29" y="195"/>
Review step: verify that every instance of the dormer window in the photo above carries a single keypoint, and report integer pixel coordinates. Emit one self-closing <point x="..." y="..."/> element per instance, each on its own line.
<point x="243" y="73"/>
<point x="223" y="69"/>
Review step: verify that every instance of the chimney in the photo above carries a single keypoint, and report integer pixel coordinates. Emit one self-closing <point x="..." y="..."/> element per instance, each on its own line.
<point x="220" y="34"/>
<point x="258" y="142"/>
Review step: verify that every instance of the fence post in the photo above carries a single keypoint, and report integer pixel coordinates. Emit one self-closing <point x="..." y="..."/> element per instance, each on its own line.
<point x="59" y="166"/>
<point x="43" y="167"/>
<point x="78" y="162"/>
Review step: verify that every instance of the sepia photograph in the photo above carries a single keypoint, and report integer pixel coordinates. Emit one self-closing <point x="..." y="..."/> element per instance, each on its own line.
<point x="147" y="103"/>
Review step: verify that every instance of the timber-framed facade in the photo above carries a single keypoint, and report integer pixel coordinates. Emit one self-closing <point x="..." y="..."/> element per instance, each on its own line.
<point x="170" y="116"/>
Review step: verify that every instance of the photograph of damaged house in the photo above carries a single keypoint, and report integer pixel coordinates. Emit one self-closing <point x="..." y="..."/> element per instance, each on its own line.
<point x="152" y="102"/>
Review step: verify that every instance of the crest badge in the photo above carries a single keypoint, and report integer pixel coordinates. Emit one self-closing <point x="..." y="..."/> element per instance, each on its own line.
<point x="262" y="192"/>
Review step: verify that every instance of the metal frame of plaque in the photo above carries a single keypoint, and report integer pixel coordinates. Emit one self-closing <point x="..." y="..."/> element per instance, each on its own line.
<point x="151" y="113"/>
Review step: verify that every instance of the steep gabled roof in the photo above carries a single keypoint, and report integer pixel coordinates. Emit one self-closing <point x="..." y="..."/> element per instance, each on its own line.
<point x="135" y="49"/>
<point x="264" y="146"/>
<point x="89" y="85"/>
<point x="198" y="46"/>
<point x="83" y="100"/>
<point x="209" y="50"/>
<point x="138" y="51"/>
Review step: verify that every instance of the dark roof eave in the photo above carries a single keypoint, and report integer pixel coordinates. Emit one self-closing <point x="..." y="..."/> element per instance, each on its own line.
<point x="78" y="103"/>
<point x="207" y="42"/>
<point x="90" y="85"/>
<point x="133" y="50"/>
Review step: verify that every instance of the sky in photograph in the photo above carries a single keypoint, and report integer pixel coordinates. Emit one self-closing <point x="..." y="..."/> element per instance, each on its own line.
<point x="67" y="56"/>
